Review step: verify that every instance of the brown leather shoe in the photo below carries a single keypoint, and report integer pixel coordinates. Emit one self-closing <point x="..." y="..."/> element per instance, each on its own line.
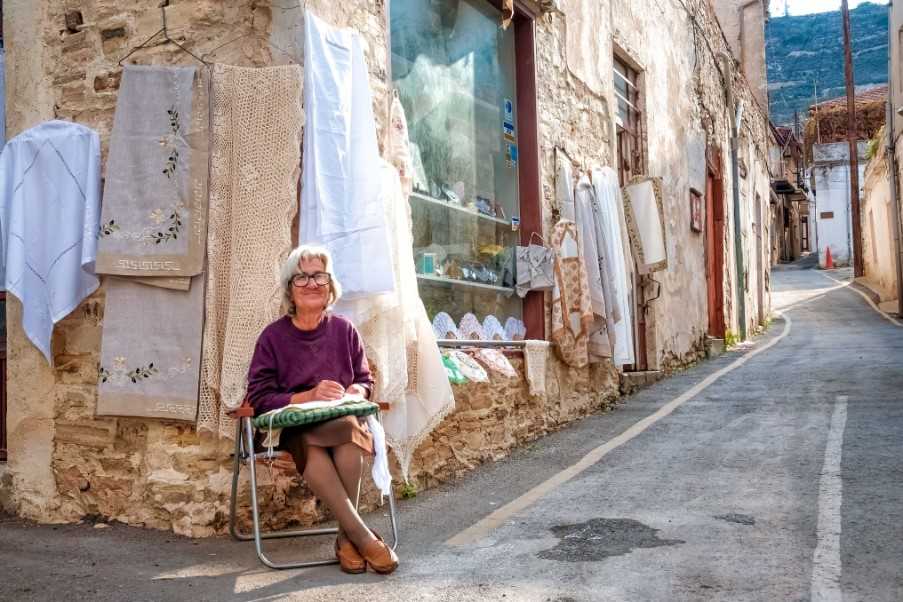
<point x="379" y="556"/>
<point x="350" y="560"/>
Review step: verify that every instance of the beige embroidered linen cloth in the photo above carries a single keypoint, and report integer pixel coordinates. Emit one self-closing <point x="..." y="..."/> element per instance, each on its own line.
<point x="154" y="216"/>
<point x="151" y="349"/>
<point x="255" y="161"/>
<point x="645" y="218"/>
<point x="572" y="311"/>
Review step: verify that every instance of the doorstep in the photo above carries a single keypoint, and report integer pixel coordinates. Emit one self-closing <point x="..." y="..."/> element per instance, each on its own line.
<point x="6" y="489"/>
<point x="632" y="382"/>
<point x="714" y="347"/>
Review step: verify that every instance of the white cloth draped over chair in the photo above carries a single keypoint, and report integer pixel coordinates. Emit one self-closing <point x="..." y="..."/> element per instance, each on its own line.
<point x="49" y="221"/>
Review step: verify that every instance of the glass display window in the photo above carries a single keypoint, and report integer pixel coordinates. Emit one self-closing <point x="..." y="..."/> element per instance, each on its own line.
<point x="454" y="70"/>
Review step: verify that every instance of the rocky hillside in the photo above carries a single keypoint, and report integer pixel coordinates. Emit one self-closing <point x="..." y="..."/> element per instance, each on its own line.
<point x="809" y="48"/>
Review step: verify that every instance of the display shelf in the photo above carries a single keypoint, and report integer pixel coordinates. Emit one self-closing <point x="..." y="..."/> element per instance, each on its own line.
<point x="507" y="290"/>
<point x="459" y="208"/>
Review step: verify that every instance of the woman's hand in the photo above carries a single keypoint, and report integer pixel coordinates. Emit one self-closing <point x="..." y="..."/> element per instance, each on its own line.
<point x="326" y="390"/>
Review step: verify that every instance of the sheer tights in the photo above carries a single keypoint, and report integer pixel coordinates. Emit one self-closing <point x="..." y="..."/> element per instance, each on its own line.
<point x="334" y="475"/>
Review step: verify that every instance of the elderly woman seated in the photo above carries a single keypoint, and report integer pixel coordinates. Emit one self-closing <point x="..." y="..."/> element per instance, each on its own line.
<point x="309" y="355"/>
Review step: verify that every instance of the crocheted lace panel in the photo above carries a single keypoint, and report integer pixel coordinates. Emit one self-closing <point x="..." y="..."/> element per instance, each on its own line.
<point x="255" y="159"/>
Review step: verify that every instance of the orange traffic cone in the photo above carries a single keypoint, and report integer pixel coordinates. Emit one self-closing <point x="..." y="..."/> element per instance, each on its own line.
<point x="829" y="261"/>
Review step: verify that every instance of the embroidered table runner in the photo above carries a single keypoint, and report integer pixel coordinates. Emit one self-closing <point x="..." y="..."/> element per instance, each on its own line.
<point x="154" y="217"/>
<point x="644" y="212"/>
<point x="255" y="159"/>
<point x="150" y="355"/>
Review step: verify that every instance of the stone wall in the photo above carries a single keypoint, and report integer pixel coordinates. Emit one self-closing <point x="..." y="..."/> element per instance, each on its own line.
<point x="67" y="464"/>
<point x="878" y="222"/>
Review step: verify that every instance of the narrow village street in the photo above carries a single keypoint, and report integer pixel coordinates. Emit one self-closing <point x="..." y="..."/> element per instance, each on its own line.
<point x="770" y="473"/>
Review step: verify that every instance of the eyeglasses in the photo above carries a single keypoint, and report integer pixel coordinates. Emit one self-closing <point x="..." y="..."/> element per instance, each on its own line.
<point x="320" y="279"/>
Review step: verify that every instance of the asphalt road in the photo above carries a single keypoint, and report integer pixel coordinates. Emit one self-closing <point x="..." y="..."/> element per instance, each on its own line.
<point x="774" y="472"/>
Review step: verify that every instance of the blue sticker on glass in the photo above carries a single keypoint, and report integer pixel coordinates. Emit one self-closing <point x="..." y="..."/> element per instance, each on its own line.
<point x="508" y="131"/>
<point x="509" y="111"/>
<point x="512" y="152"/>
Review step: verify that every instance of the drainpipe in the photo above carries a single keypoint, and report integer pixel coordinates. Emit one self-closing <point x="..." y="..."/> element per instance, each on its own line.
<point x="892" y="171"/>
<point x="736" y="118"/>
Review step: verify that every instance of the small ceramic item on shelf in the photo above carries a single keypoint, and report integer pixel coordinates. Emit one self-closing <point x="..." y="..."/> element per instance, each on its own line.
<point x="470" y="368"/>
<point x="470" y="328"/>
<point x="484" y="206"/>
<point x="515" y="329"/>
<point x="496" y="361"/>
<point x="453" y="370"/>
<point x="444" y="327"/>
<point x="492" y="329"/>
<point x="452" y="268"/>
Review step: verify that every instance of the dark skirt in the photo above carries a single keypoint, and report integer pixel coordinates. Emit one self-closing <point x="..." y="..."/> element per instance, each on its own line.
<point x="332" y="433"/>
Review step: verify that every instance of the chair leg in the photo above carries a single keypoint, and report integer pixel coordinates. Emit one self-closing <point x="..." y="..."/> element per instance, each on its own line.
<point x="244" y="453"/>
<point x="233" y="498"/>
<point x="255" y="516"/>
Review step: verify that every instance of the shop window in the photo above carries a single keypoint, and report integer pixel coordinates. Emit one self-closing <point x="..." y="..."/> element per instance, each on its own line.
<point x="454" y="69"/>
<point x="629" y="122"/>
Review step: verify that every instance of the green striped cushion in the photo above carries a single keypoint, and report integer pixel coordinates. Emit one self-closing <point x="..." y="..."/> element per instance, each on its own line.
<point x="298" y="415"/>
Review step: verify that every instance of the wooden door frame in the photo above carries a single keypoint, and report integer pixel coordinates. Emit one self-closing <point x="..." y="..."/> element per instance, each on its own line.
<point x="714" y="243"/>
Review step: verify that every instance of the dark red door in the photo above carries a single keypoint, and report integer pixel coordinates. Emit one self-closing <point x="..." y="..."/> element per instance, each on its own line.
<point x="714" y="247"/>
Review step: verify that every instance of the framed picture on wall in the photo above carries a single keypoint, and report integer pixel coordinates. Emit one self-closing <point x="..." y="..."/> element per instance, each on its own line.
<point x="695" y="210"/>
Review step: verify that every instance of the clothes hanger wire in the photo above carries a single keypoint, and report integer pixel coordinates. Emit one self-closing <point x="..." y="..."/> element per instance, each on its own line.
<point x="288" y="54"/>
<point x="166" y="38"/>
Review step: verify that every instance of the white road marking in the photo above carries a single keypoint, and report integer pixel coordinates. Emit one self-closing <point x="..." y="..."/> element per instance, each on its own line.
<point x="868" y="299"/>
<point x="492" y="521"/>
<point x="826" y="563"/>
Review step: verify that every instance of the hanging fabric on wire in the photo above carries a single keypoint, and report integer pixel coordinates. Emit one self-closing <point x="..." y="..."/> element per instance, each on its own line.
<point x="608" y="212"/>
<point x="415" y="386"/>
<point x="644" y="213"/>
<point x="340" y="187"/>
<point x="255" y="148"/>
<point x="49" y="220"/>
<point x="605" y="305"/>
<point x="154" y="218"/>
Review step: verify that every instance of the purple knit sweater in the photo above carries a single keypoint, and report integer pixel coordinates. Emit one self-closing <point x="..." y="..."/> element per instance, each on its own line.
<point x="288" y="360"/>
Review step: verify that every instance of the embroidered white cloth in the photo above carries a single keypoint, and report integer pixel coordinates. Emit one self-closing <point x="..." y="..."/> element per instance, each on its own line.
<point x="608" y="213"/>
<point x="515" y="330"/>
<point x="154" y="216"/>
<point x="444" y="327"/>
<point x="495" y="360"/>
<point x="49" y="219"/>
<point x="492" y="329"/>
<point x="427" y="397"/>
<point x="605" y="305"/>
<point x="340" y="186"/>
<point x="151" y="350"/>
<point x="386" y="320"/>
<point x="470" y="328"/>
<point x="644" y="213"/>
<point x="536" y="358"/>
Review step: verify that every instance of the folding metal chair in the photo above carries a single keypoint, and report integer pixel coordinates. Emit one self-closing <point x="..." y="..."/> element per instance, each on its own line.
<point x="245" y="454"/>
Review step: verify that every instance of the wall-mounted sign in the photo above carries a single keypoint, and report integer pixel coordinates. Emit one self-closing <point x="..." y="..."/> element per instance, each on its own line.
<point x="695" y="210"/>
<point x="826" y="215"/>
